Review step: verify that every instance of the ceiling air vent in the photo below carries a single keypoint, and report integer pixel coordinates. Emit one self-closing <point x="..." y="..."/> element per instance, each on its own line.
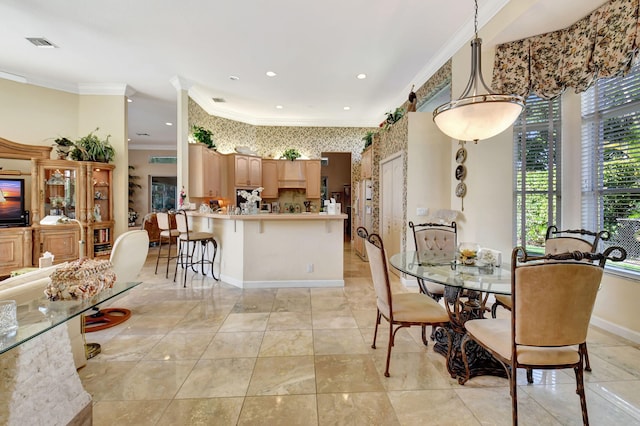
<point x="218" y="100"/>
<point x="163" y="160"/>
<point x="143" y="134"/>
<point x="41" y="42"/>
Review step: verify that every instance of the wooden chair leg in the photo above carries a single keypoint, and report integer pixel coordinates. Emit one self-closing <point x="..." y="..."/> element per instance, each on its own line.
<point x="529" y="375"/>
<point x="375" y="332"/>
<point x="513" y="388"/>
<point x="166" y="274"/>
<point x="425" y="341"/>
<point x="494" y="308"/>
<point x="587" y="365"/>
<point x="580" y="392"/>
<point x="159" y="252"/>
<point x="386" y="371"/>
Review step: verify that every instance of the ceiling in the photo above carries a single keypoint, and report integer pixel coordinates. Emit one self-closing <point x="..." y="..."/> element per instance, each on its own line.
<point x="316" y="49"/>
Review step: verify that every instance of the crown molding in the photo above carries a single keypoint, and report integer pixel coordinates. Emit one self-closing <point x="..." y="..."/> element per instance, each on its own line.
<point x="209" y="106"/>
<point x="181" y="83"/>
<point x="108" y="89"/>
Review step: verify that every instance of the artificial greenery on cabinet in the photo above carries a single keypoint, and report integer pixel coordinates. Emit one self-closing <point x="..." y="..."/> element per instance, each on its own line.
<point x="204" y="136"/>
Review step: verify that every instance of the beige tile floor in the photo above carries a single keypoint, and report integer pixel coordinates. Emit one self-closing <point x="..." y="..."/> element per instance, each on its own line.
<point x="213" y="354"/>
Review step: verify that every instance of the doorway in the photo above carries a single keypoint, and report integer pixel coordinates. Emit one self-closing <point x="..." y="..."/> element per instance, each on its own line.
<point x="164" y="193"/>
<point x="336" y="175"/>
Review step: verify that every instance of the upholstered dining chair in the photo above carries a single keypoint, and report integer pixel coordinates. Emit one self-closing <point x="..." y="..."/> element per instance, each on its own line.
<point x="189" y="241"/>
<point x="399" y="309"/>
<point x="557" y="242"/>
<point x="168" y="234"/>
<point x="543" y="332"/>
<point x="434" y="243"/>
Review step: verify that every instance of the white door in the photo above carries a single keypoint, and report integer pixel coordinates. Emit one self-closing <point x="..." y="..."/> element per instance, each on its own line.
<point x="391" y="217"/>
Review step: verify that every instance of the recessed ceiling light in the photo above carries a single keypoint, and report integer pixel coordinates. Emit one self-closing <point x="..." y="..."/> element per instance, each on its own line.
<point x="129" y="100"/>
<point x="168" y="123"/>
<point x="234" y="77"/>
<point x="128" y="139"/>
<point x="279" y="107"/>
<point x="271" y="74"/>
<point x="347" y="108"/>
<point x="361" y="76"/>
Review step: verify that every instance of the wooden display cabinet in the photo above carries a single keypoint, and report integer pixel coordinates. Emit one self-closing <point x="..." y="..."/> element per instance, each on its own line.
<point x="100" y="223"/>
<point x="57" y="191"/>
<point x="78" y="190"/>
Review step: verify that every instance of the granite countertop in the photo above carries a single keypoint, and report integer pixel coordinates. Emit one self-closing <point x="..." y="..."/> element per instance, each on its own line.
<point x="271" y="216"/>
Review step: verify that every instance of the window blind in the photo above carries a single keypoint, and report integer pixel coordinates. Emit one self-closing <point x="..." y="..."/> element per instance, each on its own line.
<point x="536" y="171"/>
<point x="611" y="161"/>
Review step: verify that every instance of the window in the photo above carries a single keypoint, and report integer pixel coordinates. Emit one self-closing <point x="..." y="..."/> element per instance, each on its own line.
<point x="611" y="162"/>
<point x="536" y="136"/>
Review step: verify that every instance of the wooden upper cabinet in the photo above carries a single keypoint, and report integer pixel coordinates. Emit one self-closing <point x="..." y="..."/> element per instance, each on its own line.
<point x="313" y="178"/>
<point x="292" y="174"/>
<point x="270" y="178"/>
<point x="214" y="173"/>
<point x="245" y="171"/>
<point x="255" y="171"/>
<point x="366" y="166"/>
<point x="205" y="172"/>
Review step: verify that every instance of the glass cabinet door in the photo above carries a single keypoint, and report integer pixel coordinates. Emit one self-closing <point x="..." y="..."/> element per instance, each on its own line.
<point x="60" y="192"/>
<point x="101" y="195"/>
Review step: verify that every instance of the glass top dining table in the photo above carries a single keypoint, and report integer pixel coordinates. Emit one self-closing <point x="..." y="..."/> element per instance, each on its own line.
<point x="39" y="315"/>
<point x="480" y="278"/>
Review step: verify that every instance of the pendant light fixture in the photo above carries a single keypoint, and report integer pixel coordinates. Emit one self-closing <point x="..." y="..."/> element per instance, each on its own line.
<point x="476" y="116"/>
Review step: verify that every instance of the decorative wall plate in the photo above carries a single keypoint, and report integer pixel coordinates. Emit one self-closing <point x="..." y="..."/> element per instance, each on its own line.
<point x="461" y="172"/>
<point x="461" y="189"/>
<point x="461" y="155"/>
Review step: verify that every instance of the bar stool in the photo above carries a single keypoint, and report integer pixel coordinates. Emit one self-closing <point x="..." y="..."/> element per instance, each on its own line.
<point x="167" y="233"/>
<point x="198" y="238"/>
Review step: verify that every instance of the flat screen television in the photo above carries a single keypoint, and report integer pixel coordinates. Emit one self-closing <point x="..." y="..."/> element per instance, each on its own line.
<point x="12" y="209"/>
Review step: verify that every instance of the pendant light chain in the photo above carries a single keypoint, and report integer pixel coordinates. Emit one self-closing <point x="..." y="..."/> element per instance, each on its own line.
<point x="475" y="20"/>
<point x="479" y="113"/>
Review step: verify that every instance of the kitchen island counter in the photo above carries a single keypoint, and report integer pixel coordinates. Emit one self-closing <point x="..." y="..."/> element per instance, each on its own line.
<point x="277" y="250"/>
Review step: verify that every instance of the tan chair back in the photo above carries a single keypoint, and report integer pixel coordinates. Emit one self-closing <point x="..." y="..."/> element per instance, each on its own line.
<point x="181" y="222"/>
<point x="565" y="244"/>
<point x="163" y="221"/>
<point x="379" y="274"/>
<point x="553" y="302"/>
<point x="573" y="240"/>
<point x="435" y="242"/>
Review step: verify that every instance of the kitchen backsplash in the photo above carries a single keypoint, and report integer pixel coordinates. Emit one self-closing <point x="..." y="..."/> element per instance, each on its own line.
<point x="292" y="201"/>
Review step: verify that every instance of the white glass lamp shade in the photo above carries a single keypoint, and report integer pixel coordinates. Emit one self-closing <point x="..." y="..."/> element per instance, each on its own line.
<point x="478" y="117"/>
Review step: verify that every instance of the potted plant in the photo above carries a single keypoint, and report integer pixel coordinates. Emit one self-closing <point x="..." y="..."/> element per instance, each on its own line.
<point x="392" y="118"/>
<point x="202" y="135"/>
<point x="291" y="154"/>
<point x="133" y="186"/>
<point x="92" y="148"/>
<point x="368" y="139"/>
<point x="63" y="146"/>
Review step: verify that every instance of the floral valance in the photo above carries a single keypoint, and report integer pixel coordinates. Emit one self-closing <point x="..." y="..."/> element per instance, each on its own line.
<point x="602" y="44"/>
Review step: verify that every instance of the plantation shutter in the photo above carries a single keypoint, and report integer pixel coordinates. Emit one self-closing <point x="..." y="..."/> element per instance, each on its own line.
<point x="611" y="160"/>
<point x="536" y="171"/>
